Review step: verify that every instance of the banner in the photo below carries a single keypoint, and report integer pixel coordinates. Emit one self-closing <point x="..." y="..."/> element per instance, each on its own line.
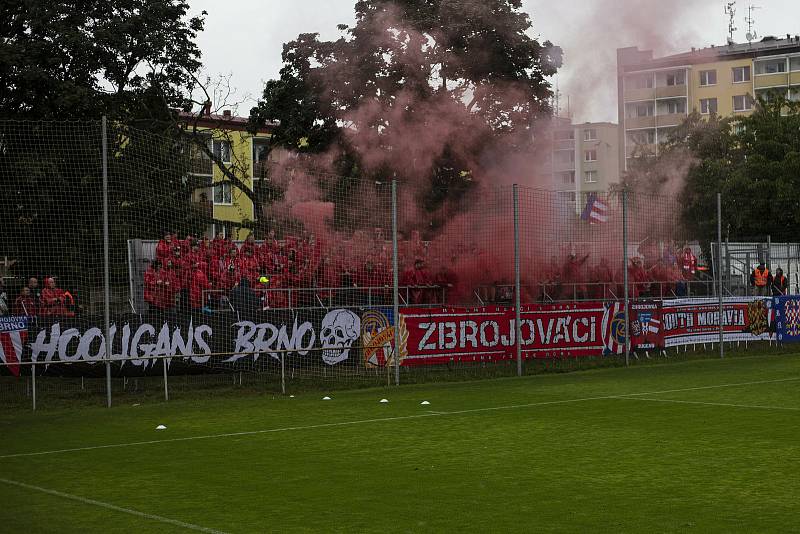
<point x="645" y="321"/>
<point x="197" y="343"/>
<point x="787" y="318"/>
<point x="691" y="321"/>
<point x="445" y="335"/>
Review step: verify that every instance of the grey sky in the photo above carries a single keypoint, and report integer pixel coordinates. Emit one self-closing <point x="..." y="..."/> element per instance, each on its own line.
<point x="244" y="38"/>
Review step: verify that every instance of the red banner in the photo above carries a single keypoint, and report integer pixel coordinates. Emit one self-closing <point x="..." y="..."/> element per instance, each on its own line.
<point x="691" y="321"/>
<point x="443" y="335"/>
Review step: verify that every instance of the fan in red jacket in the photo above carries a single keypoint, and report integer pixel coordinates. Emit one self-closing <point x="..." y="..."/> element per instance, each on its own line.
<point x="25" y="304"/>
<point x="414" y="278"/>
<point x="164" y="247"/>
<point x="688" y="263"/>
<point x="53" y="300"/>
<point x="160" y="287"/>
<point x="198" y="285"/>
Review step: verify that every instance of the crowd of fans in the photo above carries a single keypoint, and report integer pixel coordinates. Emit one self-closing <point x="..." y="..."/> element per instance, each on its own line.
<point x="197" y="273"/>
<point x="653" y="273"/>
<point x="33" y="301"/>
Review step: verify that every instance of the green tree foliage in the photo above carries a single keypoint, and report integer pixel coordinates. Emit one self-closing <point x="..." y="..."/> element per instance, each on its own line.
<point x="127" y="59"/>
<point x="134" y="61"/>
<point x="753" y="161"/>
<point x="467" y="72"/>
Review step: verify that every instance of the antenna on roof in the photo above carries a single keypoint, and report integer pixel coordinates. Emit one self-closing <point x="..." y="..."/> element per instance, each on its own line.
<point x="730" y="10"/>
<point x="751" y="23"/>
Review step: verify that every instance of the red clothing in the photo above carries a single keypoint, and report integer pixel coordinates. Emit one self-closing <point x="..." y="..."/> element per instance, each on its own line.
<point x="688" y="263"/>
<point x="412" y="278"/>
<point x="198" y="284"/>
<point x="53" y="302"/>
<point x="160" y="288"/>
<point x="164" y="250"/>
<point x="25" y="306"/>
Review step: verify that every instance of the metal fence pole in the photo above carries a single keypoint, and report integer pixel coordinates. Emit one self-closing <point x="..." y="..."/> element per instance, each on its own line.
<point x="625" y="271"/>
<point x="396" y="289"/>
<point x="33" y="385"/>
<point x="718" y="274"/>
<point x="106" y="275"/>
<point x="283" y="374"/>
<point x="166" y="382"/>
<point x="517" y="300"/>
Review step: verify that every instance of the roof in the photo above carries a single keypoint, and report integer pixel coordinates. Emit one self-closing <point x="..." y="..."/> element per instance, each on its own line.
<point x="222" y="122"/>
<point x="768" y="46"/>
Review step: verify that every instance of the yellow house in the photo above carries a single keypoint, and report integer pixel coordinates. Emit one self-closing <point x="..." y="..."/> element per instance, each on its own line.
<point x="656" y="94"/>
<point x="243" y="154"/>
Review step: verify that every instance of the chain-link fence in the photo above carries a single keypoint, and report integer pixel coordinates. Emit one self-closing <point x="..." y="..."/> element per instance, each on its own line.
<point x="141" y="265"/>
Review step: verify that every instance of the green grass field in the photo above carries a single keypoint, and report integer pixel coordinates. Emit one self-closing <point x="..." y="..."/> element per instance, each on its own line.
<point x="696" y="446"/>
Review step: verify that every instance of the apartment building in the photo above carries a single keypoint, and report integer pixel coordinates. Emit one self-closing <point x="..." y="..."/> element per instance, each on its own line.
<point x="246" y="153"/>
<point x="656" y="94"/>
<point x="585" y="158"/>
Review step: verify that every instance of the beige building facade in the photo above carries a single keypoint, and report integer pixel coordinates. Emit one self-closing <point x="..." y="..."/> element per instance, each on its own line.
<point x="656" y="94"/>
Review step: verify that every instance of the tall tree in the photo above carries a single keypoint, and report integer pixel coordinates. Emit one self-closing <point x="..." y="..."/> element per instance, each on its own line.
<point x="753" y="161"/>
<point x="416" y="88"/>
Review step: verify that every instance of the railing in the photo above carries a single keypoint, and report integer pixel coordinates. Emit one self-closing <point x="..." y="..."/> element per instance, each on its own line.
<point x="218" y="300"/>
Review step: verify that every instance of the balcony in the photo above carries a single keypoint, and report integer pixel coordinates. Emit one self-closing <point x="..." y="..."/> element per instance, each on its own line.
<point x="640" y="122"/>
<point x="637" y="150"/>
<point x="201" y="165"/>
<point x="260" y="170"/>
<point x="633" y="95"/>
<point x="771" y="80"/>
<point x="670" y="119"/>
<point x="204" y="208"/>
<point x="671" y="91"/>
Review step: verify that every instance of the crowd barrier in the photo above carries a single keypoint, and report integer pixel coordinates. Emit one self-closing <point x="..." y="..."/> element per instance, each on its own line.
<point x="363" y="339"/>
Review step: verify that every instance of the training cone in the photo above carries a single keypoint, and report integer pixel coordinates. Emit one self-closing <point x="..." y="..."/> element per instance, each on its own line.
<point x="161" y="427"/>
<point x="326" y="398"/>
<point x="424" y="403"/>
<point x="384" y="401"/>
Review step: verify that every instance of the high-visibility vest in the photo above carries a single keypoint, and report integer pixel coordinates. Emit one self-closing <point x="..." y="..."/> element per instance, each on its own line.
<point x="761" y="277"/>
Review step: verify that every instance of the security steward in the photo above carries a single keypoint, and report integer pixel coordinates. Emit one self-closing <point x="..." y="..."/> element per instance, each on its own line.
<point x="761" y="280"/>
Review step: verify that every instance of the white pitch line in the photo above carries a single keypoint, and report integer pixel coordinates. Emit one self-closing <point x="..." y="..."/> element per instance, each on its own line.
<point x="107" y="506"/>
<point x="382" y="419"/>
<point x="704" y="403"/>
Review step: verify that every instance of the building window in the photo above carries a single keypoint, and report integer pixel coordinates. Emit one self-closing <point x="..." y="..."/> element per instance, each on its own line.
<point x="708" y="77"/>
<point x="590" y="177"/>
<point x="564" y="135"/>
<point x="741" y="74"/>
<point x="774" y="66"/>
<point x="794" y="63"/>
<point x="222" y="194"/>
<point x="568" y="177"/>
<point x="676" y="106"/>
<point x="260" y="158"/>
<point x="708" y="105"/>
<point x="643" y="110"/>
<point x="221" y="150"/>
<point x="794" y="94"/>
<point x="742" y="103"/>
<point x="590" y="155"/>
<point x="665" y="134"/>
<point x="676" y="78"/>
<point x="590" y="135"/>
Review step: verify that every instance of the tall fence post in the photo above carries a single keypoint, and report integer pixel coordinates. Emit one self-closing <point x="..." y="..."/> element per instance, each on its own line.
<point x="625" y="272"/>
<point x="165" y="361"/>
<point x="106" y="274"/>
<point x="395" y="286"/>
<point x="33" y="384"/>
<point x="517" y="300"/>
<point x="718" y="274"/>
